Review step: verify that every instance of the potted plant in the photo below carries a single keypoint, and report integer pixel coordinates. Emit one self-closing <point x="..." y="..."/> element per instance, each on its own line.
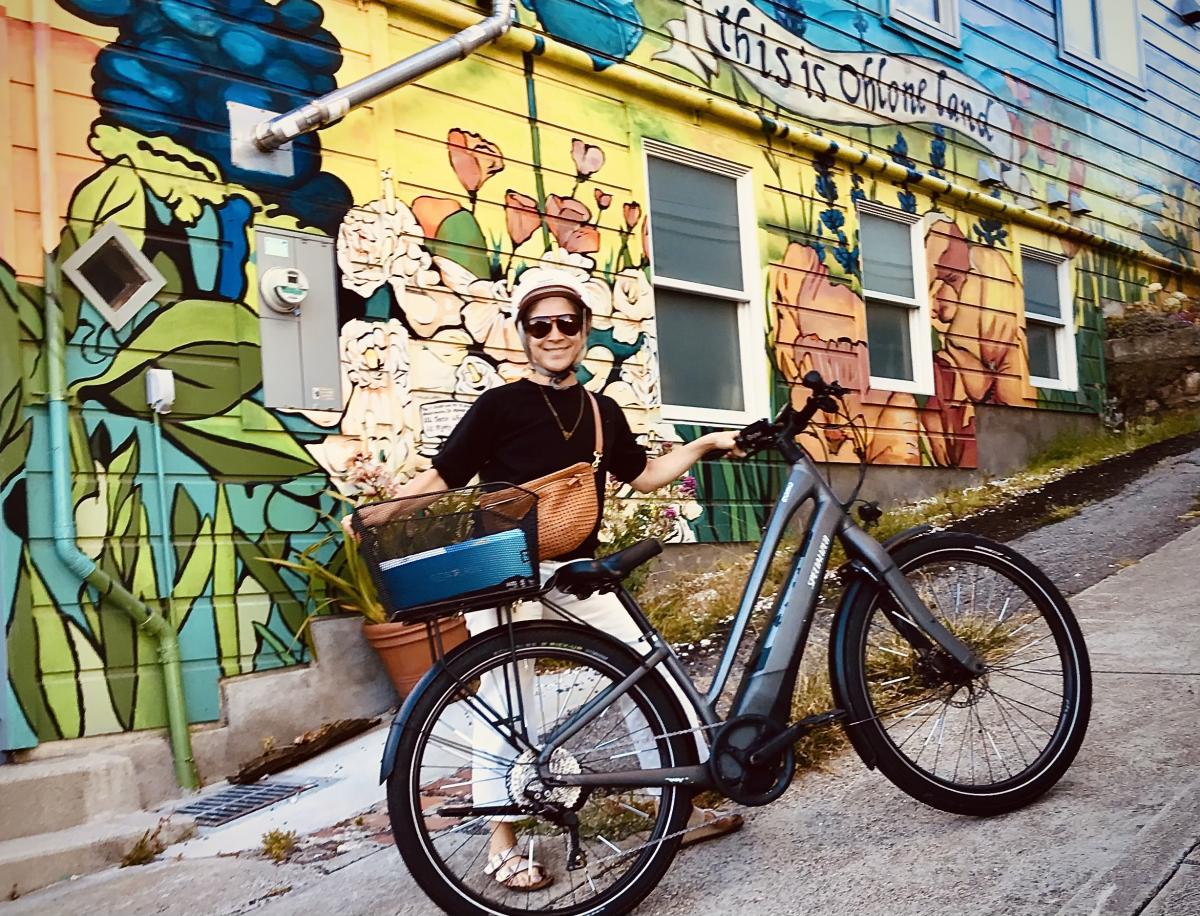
<point x="344" y="583"/>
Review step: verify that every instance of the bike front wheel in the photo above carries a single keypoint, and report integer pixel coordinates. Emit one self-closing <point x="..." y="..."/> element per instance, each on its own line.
<point x="465" y="769"/>
<point x="979" y="745"/>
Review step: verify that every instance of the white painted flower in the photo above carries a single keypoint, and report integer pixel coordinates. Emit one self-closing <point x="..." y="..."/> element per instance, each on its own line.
<point x="633" y="301"/>
<point x="474" y="376"/>
<point x="382" y="242"/>
<point x="375" y="353"/>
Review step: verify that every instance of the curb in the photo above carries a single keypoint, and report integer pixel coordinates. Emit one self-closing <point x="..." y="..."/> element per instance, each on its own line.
<point x="1146" y="867"/>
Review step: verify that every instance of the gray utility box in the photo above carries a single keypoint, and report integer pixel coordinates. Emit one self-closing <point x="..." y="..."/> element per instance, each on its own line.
<point x="297" y="318"/>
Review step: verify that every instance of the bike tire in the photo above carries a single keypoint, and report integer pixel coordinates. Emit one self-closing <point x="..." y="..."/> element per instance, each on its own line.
<point x="557" y="643"/>
<point x="884" y="684"/>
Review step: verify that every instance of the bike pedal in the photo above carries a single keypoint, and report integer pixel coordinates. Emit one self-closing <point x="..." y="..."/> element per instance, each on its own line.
<point x="824" y="718"/>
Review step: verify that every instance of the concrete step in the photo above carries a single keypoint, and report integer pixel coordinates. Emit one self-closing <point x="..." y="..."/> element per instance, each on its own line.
<point x="30" y="862"/>
<point x="46" y="796"/>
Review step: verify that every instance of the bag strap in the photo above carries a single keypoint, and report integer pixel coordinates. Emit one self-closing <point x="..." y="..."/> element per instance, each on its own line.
<point x="599" y="450"/>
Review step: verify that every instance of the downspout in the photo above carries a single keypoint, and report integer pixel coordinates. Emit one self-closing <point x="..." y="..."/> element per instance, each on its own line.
<point x="107" y="589"/>
<point x="333" y="106"/>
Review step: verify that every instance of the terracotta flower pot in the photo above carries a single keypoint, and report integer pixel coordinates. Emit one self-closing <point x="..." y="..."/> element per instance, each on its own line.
<point x="404" y="648"/>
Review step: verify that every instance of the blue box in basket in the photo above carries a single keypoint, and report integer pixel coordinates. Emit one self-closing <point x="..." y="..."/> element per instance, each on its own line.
<point x="495" y="562"/>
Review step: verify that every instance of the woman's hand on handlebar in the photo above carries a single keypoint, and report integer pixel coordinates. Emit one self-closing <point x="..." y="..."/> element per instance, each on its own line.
<point x="726" y="442"/>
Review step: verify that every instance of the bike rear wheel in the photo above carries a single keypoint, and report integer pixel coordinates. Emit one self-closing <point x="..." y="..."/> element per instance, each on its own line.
<point x="978" y="745"/>
<point x="465" y="765"/>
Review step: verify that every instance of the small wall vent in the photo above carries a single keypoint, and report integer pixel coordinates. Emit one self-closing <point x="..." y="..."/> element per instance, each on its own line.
<point x="113" y="275"/>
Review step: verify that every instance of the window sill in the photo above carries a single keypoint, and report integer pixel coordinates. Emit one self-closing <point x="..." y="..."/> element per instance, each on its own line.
<point x="1111" y="76"/>
<point x="1052" y="384"/>
<point x="902" y="386"/>
<point x="926" y="34"/>
<point x="708" y="416"/>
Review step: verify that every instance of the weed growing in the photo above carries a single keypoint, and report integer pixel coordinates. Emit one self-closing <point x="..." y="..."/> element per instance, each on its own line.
<point x="278" y="844"/>
<point x="1060" y="513"/>
<point x="146" y="849"/>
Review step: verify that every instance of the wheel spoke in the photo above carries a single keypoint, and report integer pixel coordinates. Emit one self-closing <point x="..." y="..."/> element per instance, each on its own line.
<point x="934" y="728"/>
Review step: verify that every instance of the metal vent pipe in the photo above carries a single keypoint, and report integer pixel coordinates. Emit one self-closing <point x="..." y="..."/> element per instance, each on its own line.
<point x="333" y="106"/>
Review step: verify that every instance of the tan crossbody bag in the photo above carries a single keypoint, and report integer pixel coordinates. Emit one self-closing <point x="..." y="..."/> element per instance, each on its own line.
<point x="567" y="506"/>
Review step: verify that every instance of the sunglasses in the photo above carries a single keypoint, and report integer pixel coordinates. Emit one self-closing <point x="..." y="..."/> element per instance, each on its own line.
<point x="539" y="326"/>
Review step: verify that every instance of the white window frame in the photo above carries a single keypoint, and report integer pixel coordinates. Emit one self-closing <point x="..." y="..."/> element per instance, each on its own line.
<point x="1099" y="64"/>
<point x="919" y="318"/>
<point x="1064" y="324"/>
<point x="751" y="329"/>
<point x="948" y="28"/>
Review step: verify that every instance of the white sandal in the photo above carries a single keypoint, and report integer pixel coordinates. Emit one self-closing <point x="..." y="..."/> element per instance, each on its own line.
<point x="511" y="863"/>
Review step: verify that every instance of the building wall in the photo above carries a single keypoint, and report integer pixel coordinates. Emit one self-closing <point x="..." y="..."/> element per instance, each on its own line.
<point x="438" y="196"/>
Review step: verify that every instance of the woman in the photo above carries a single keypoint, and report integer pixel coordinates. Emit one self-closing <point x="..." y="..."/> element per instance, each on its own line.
<point x="533" y="427"/>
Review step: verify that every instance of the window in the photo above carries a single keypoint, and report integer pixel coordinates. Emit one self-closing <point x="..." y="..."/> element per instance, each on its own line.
<point x="709" y="336"/>
<point x="1103" y="32"/>
<point x="1049" y="324"/>
<point x="897" y="301"/>
<point x="938" y="18"/>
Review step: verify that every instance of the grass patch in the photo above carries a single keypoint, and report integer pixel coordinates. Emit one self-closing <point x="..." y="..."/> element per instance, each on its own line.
<point x="1060" y="514"/>
<point x="146" y="849"/>
<point x="278" y="844"/>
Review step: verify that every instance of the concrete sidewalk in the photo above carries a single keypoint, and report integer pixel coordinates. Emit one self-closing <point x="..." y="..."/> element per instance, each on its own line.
<point x="1117" y="837"/>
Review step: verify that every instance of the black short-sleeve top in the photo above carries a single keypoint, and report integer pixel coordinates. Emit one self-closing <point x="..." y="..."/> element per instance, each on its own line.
<point x="510" y="434"/>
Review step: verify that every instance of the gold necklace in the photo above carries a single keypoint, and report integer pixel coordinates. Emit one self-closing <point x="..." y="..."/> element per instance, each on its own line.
<point x="562" y="429"/>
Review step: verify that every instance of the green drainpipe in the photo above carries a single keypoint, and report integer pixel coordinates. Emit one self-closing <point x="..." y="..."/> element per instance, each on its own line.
<point x="84" y="567"/>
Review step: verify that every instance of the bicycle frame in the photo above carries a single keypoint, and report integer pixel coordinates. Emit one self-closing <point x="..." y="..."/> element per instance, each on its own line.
<point x="766" y="686"/>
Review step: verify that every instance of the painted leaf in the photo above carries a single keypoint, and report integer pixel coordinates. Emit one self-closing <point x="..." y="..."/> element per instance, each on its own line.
<point x="201" y="341"/>
<point x="224" y="592"/>
<point x="15" y="430"/>
<point x="57" y="664"/>
<point x="24" y="670"/>
<point x="194" y="572"/>
<point x="115" y="192"/>
<point x="185" y="524"/>
<point x="254" y="557"/>
<point x="261" y="449"/>
<point x="269" y="641"/>
<point x="460" y="239"/>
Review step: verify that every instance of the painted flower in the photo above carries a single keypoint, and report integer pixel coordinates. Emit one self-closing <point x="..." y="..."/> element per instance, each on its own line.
<point x="521" y="217"/>
<point x="380" y="421"/>
<point x="603" y="200"/>
<point x="589" y="159"/>
<point x="632" y="212"/>
<point x="382" y="242"/>
<point x="375" y="353"/>
<point x="474" y="376"/>
<point x="633" y="301"/>
<point x="570" y="224"/>
<point x="473" y="158"/>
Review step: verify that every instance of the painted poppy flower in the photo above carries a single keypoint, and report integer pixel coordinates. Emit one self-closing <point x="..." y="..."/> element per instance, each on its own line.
<point x="569" y="222"/>
<point x="521" y="216"/>
<point x="588" y="159"/>
<point x="473" y="158"/>
<point x="603" y="200"/>
<point x="633" y="212"/>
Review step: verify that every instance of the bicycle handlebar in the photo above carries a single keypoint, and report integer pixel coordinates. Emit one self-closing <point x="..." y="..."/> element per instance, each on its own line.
<point x="763" y="434"/>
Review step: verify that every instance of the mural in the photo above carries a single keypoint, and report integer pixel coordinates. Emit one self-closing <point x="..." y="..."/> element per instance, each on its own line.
<point x="508" y="174"/>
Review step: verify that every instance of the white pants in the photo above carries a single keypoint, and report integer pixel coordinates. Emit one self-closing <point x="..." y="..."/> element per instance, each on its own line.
<point x="492" y="752"/>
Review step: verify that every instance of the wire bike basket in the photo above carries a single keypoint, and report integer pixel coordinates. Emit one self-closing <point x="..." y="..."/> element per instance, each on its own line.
<point x="457" y="550"/>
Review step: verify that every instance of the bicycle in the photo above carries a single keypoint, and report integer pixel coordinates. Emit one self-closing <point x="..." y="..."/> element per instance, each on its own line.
<point x="957" y="668"/>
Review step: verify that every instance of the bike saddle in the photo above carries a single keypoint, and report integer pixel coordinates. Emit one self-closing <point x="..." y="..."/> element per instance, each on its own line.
<point x="582" y="577"/>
